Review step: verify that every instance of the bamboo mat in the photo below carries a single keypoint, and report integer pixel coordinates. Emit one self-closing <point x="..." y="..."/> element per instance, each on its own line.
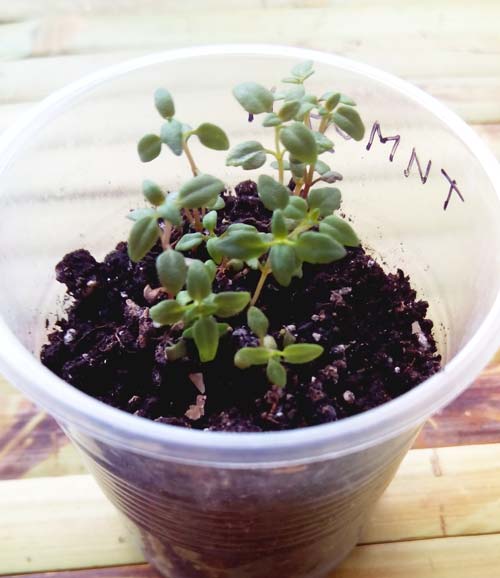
<point x="440" y="518"/>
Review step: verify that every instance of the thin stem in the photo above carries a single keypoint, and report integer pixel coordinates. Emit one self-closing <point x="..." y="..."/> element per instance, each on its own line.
<point x="188" y="215"/>
<point x="279" y="154"/>
<point x="197" y="220"/>
<point x="194" y="169"/>
<point x="308" y="180"/>
<point x="165" y="236"/>
<point x="323" y="125"/>
<point x="307" y="120"/>
<point x="264" y="272"/>
<point x="298" y="187"/>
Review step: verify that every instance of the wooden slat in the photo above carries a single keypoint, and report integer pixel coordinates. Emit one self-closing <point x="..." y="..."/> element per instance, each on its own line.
<point x="451" y="36"/>
<point x="444" y="493"/>
<point x="462" y="557"/>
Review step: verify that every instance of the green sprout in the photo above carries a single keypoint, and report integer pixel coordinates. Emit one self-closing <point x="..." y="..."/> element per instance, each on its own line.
<point x="196" y="307"/>
<point x="303" y="229"/>
<point x="267" y="352"/>
<point x="297" y="144"/>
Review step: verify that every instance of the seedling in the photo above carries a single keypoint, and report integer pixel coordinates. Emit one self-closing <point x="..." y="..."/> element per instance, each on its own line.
<point x="267" y="352"/>
<point x="197" y="306"/>
<point x="303" y="227"/>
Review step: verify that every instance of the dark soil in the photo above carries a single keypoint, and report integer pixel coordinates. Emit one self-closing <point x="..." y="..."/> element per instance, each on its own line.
<point x="378" y="343"/>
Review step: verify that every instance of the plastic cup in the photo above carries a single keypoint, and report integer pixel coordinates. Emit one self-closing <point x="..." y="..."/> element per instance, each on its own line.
<point x="209" y="504"/>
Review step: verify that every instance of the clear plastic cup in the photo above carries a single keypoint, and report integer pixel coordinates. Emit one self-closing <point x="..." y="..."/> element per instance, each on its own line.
<point x="209" y="504"/>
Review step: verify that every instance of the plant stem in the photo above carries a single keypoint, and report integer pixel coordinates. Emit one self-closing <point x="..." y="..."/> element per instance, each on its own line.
<point x="298" y="186"/>
<point x="264" y="272"/>
<point x="197" y="220"/>
<point x="165" y="236"/>
<point x="194" y="169"/>
<point x="323" y="125"/>
<point x="307" y="120"/>
<point x="279" y="154"/>
<point x="308" y="180"/>
<point x="188" y="215"/>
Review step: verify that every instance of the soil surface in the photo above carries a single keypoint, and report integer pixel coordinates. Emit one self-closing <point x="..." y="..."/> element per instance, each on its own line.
<point x="378" y="342"/>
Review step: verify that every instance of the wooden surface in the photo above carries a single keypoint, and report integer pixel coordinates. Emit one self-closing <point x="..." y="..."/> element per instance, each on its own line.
<point x="440" y="517"/>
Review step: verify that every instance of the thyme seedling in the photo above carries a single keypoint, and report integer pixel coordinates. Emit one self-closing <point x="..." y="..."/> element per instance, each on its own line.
<point x="303" y="227"/>
<point x="267" y="352"/>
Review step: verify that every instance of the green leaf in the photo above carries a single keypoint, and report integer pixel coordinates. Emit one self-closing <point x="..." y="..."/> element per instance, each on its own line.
<point x="349" y="121"/>
<point x="283" y="263"/>
<point x="253" y="263"/>
<point x="169" y="212"/>
<point x="248" y="356"/>
<point x="274" y="195"/>
<point x="296" y="209"/>
<point x="253" y="97"/>
<point x="230" y="303"/>
<point x="189" y="241"/>
<point x="318" y="248"/>
<point x="271" y="119"/>
<point x="331" y="177"/>
<point x="257" y="321"/>
<point x="211" y="268"/>
<point x="171" y="268"/>
<point x="206" y="337"/>
<point x="340" y="230"/>
<point x="289" y="109"/>
<point x="291" y="80"/>
<point x="217" y="205"/>
<point x="164" y="103"/>
<point x="297" y="168"/>
<point x="176" y="351"/>
<point x="302" y="352"/>
<point x="249" y="155"/>
<point x="223" y="328"/>
<point x="276" y="373"/>
<point x="332" y="101"/>
<point x="295" y="93"/>
<point x="344" y="99"/>
<point x="304" y="108"/>
<point x="242" y="245"/>
<point x="299" y="141"/>
<point x="142" y="238"/>
<point x="167" y="312"/>
<point x="303" y="70"/>
<point x="212" y="136"/>
<point x="241" y="227"/>
<point x="210" y="221"/>
<point x="172" y="135"/>
<point x="183" y="298"/>
<point x="138" y="214"/>
<point x="321" y="167"/>
<point x="199" y="285"/>
<point x="236" y="265"/>
<point x="326" y="199"/>
<point x="149" y="147"/>
<point x="322" y="142"/>
<point x="199" y="191"/>
<point x="278" y="225"/>
<point x="152" y="192"/>
<point x="213" y="249"/>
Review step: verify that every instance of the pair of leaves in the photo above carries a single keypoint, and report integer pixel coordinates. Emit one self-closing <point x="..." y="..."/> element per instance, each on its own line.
<point x="297" y="354"/>
<point x="249" y="155"/>
<point x="200" y="191"/>
<point x="242" y="242"/>
<point x="196" y="306"/>
<point x="300" y="72"/>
